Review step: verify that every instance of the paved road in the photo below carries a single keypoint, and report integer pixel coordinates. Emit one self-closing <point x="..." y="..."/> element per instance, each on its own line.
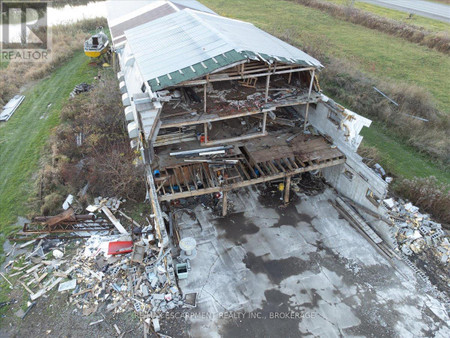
<point x="425" y="8"/>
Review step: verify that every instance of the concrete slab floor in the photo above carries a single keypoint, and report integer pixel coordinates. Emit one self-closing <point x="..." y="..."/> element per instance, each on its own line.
<point x="298" y="271"/>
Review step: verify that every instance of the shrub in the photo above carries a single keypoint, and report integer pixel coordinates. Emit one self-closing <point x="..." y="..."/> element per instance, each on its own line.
<point x="52" y="203"/>
<point x="428" y="194"/>
<point x="370" y="154"/>
<point x="104" y="160"/>
<point x="113" y="173"/>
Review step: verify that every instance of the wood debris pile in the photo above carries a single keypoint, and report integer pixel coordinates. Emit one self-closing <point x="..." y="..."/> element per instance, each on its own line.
<point x="107" y="272"/>
<point x="81" y="88"/>
<point x="141" y="279"/>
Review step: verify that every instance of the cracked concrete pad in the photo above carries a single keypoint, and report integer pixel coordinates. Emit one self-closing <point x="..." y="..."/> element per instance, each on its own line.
<point x="305" y="262"/>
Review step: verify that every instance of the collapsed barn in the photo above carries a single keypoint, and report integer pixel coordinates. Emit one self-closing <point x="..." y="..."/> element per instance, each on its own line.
<point x="216" y="104"/>
<point x="261" y="207"/>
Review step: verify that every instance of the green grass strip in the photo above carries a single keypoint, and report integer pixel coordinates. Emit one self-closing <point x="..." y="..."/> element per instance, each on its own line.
<point x="24" y="136"/>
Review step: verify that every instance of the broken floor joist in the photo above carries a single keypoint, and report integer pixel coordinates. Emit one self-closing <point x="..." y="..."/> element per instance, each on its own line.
<point x="233" y="186"/>
<point x="114" y="220"/>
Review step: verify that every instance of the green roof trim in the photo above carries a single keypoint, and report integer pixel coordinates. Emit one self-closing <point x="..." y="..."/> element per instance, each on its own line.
<point x="222" y="60"/>
<point x="187" y="73"/>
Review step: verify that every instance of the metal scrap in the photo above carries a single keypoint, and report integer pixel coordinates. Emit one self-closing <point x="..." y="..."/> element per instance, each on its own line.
<point x="9" y="109"/>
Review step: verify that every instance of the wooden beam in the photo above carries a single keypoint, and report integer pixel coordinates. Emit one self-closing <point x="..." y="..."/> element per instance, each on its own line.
<point x="293" y="162"/>
<point x="216" y="78"/>
<point x="287" y="187"/>
<point x="186" y="182"/>
<point x="251" y="160"/>
<point x="266" y="95"/>
<point x="258" y="180"/>
<point x="235" y="139"/>
<point x="176" y="179"/>
<point x="244" y="171"/>
<point x="170" y="181"/>
<point x="309" y="97"/>
<point x="213" y="176"/>
<point x="193" y="178"/>
<point x="288" y="162"/>
<point x="251" y="170"/>
<point x="204" y="98"/>
<point x="207" y="175"/>
<point x="278" y="120"/>
<point x="229" y="66"/>
<point x="272" y="166"/>
<point x="279" y="164"/>
<point x="159" y="226"/>
<point x="224" y="203"/>
<point x="268" y="170"/>
<point x="264" y="122"/>
<point x="253" y="69"/>
<point x="114" y="220"/>
<point x="174" y="123"/>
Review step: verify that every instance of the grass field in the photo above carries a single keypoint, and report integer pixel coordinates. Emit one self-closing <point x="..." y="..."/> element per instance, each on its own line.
<point x="376" y="53"/>
<point x="400" y="158"/>
<point x="24" y="136"/>
<point x="428" y="24"/>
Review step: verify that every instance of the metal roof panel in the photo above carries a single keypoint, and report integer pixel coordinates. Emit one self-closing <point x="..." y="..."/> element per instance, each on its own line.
<point x="187" y="38"/>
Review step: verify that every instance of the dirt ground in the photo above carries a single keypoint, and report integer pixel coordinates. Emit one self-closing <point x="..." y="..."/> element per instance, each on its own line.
<point x="54" y="316"/>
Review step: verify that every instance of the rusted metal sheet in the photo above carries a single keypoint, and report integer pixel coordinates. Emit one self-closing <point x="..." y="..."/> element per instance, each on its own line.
<point x="68" y="215"/>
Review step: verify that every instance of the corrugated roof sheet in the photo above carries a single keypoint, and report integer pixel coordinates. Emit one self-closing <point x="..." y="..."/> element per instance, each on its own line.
<point x="123" y="15"/>
<point x="9" y="109"/>
<point x="189" y="44"/>
<point x="117" y="31"/>
<point x="181" y="4"/>
<point x="246" y="37"/>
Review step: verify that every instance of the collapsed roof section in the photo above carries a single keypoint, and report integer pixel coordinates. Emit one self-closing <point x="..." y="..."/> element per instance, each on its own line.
<point x="189" y="44"/>
<point x="123" y="15"/>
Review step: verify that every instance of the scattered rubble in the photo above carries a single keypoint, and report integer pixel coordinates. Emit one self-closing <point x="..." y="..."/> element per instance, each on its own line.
<point x="416" y="231"/>
<point x="311" y="184"/>
<point x="81" y="88"/>
<point x="147" y="284"/>
<point x="111" y="203"/>
<point x="116" y="270"/>
<point x="422" y="240"/>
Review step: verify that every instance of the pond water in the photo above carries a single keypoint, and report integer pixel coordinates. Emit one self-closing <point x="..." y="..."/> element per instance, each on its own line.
<point x="70" y="14"/>
<point x="56" y="16"/>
